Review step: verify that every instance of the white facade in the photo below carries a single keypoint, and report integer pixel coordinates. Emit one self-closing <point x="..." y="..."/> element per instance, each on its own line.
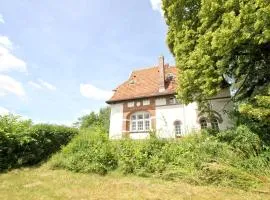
<point x="187" y="117"/>
<point x="167" y="115"/>
<point x="116" y="121"/>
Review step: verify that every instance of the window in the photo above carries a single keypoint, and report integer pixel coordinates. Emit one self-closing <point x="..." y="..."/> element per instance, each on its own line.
<point x="172" y="100"/>
<point x="160" y="101"/>
<point x="130" y="104"/>
<point x="146" y="102"/>
<point x="177" y="128"/>
<point x="140" y="121"/>
<point x="169" y="77"/>
<point x="214" y="124"/>
<point x="203" y="123"/>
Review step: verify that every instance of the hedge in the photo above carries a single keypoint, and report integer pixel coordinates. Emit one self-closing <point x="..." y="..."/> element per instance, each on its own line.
<point x="30" y="145"/>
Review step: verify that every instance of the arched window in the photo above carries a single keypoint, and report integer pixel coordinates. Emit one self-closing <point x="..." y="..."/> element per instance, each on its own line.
<point x="203" y="123"/>
<point x="177" y="128"/>
<point x="140" y="121"/>
<point x="214" y="124"/>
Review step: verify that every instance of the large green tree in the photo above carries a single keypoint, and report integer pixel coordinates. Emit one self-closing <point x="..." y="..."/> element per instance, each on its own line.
<point x="218" y="43"/>
<point x="214" y="41"/>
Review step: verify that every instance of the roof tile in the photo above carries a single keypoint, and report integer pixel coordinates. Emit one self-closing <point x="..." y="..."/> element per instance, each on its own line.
<point x="145" y="83"/>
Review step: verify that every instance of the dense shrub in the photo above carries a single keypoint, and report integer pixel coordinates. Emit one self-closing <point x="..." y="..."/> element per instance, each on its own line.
<point x="198" y="159"/>
<point x="22" y="143"/>
<point x="88" y="152"/>
<point x="243" y="140"/>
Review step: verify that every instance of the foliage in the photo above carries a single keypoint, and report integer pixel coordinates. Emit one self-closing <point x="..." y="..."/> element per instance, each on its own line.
<point x="243" y="140"/>
<point x="230" y="159"/>
<point x="258" y="107"/>
<point x="101" y="119"/>
<point x="14" y="124"/>
<point x="90" y="151"/>
<point x="22" y="143"/>
<point x="255" y="113"/>
<point x="218" y="41"/>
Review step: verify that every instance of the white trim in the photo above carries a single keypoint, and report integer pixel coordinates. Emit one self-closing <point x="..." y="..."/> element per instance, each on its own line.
<point x="136" y="120"/>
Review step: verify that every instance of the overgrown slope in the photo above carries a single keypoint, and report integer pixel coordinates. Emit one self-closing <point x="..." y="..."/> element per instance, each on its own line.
<point x="198" y="159"/>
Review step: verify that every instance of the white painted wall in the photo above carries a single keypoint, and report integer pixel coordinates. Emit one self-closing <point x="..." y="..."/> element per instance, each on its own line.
<point x="167" y="115"/>
<point x="223" y="107"/>
<point x="139" y="136"/>
<point x="116" y="121"/>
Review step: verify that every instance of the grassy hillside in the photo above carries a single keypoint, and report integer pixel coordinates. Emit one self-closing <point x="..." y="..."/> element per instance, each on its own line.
<point x="199" y="159"/>
<point x="46" y="184"/>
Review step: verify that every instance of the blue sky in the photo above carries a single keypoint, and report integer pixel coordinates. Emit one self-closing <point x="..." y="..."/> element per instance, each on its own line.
<point x="61" y="59"/>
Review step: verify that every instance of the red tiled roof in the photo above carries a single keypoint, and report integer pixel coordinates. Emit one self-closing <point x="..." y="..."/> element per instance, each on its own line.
<point x="145" y="83"/>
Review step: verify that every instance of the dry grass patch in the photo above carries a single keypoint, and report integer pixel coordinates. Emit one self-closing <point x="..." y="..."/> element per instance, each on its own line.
<point x="42" y="183"/>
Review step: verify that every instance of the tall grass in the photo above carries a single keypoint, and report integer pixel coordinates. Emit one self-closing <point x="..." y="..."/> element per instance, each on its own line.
<point x="198" y="158"/>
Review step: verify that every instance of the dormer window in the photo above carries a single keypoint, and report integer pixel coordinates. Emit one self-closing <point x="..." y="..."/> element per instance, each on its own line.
<point x="169" y="77"/>
<point x="132" y="82"/>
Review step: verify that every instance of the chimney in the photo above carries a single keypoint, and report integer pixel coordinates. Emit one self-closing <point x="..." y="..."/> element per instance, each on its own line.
<point x="161" y="68"/>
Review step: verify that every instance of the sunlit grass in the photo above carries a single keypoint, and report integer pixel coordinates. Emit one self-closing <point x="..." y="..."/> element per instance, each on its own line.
<point x="43" y="183"/>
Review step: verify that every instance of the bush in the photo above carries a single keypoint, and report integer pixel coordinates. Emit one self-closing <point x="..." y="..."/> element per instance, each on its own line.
<point x="243" y="140"/>
<point x="22" y="143"/>
<point x="90" y="151"/>
<point x="197" y="159"/>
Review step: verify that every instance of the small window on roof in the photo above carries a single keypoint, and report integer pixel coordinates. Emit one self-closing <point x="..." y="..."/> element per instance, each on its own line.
<point x="132" y="82"/>
<point x="170" y="76"/>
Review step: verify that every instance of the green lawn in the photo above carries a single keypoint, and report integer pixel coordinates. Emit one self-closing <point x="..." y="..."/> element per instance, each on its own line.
<point x="43" y="183"/>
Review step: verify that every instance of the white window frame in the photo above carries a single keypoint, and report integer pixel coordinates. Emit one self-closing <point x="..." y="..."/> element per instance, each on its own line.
<point x="177" y="127"/>
<point x="134" y="119"/>
<point x="146" y="102"/>
<point x="130" y="104"/>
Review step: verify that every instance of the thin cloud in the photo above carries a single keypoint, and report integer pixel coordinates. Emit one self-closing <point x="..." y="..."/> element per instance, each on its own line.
<point x="9" y="85"/>
<point x="2" y="21"/>
<point x="35" y="85"/>
<point x="8" y="61"/>
<point x="41" y="84"/>
<point x="156" y="5"/>
<point x="46" y="84"/>
<point x="92" y="92"/>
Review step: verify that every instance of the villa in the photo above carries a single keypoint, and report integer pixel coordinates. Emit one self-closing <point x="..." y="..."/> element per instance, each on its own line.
<point x="146" y="101"/>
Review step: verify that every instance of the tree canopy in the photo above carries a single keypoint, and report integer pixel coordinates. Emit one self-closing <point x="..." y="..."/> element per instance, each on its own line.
<point x="219" y="41"/>
<point x="101" y="119"/>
